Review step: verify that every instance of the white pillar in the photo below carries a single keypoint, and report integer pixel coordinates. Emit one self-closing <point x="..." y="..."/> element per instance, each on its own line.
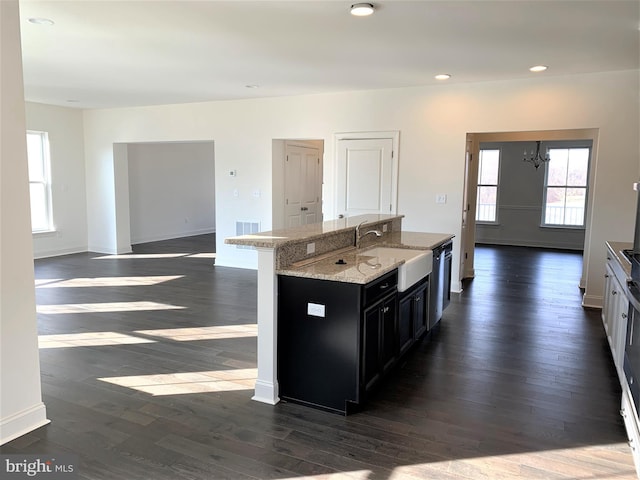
<point x="21" y="407"/>
<point x="267" y="381"/>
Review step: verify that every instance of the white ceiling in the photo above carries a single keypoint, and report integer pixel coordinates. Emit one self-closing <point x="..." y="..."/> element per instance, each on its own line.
<point x="111" y="53"/>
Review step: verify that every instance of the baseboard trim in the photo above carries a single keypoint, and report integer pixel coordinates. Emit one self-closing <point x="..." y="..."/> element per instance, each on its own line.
<point x="59" y="253"/>
<point x="592" y="301"/>
<point x="171" y="236"/>
<point x="23" y="422"/>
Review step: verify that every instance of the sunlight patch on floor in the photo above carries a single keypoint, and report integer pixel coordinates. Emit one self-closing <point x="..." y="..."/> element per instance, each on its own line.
<point x="88" y="339"/>
<point x="132" y="256"/>
<point x="107" y="281"/>
<point x="189" y="382"/>
<point x="352" y="475"/>
<point x="590" y="462"/>
<point x="204" y="333"/>
<point x="203" y="255"/>
<point x="104" y="307"/>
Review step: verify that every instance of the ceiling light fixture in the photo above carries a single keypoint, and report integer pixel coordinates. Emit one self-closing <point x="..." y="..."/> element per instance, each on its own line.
<point x="538" y="68"/>
<point x="252" y="86"/>
<point x="442" y="76"/>
<point x="362" y="9"/>
<point x="41" y="21"/>
<point x="536" y="159"/>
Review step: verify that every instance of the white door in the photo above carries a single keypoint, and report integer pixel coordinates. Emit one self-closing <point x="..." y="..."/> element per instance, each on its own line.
<point x="366" y="176"/>
<point x="302" y="185"/>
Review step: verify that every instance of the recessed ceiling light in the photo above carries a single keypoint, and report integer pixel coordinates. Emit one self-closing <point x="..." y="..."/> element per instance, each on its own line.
<point x="41" y="21"/>
<point x="252" y="86"/>
<point x="442" y="76"/>
<point x="538" y="68"/>
<point x="361" y="9"/>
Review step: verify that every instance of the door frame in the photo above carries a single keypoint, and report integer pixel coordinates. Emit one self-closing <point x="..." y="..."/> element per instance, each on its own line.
<point x="468" y="236"/>
<point x="394" y="136"/>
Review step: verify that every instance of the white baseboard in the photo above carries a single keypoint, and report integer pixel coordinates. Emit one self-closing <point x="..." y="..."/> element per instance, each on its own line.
<point x="170" y="236"/>
<point x="60" y="252"/>
<point x="592" y="301"/>
<point x="23" y="422"/>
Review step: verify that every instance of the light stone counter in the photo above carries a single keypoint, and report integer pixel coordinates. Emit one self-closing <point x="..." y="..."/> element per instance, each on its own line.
<point x="359" y="266"/>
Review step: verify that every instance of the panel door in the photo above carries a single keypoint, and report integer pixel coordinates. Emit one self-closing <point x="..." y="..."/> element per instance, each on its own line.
<point x="365" y="176"/>
<point x="302" y="185"/>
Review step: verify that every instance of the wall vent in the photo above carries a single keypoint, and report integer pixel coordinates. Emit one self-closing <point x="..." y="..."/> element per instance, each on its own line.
<point x="246" y="228"/>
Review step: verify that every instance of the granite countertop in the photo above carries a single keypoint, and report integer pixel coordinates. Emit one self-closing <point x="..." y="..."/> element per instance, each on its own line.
<point x="616" y="249"/>
<point x="360" y="267"/>
<point x="278" y="238"/>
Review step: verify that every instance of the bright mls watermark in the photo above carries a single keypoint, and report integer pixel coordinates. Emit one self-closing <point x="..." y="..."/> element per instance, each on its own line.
<point x="51" y="467"/>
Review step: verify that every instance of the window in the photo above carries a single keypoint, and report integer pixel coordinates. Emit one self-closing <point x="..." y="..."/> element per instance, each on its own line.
<point x="39" y="181"/>
<point x="488" y="168"/>
<point x="565" y="195"/>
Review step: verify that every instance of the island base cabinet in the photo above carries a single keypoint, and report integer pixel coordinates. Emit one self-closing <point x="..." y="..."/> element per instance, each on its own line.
<point x="318" y="342"/>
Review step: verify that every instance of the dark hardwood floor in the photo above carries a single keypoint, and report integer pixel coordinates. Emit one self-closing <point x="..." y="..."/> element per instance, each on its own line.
<point x="148" y="362"/>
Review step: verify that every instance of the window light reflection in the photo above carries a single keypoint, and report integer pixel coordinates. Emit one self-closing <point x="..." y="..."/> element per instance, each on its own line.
<point x="104" y="307"/>
<point x="89" y="339"/>
<point x="204" y="333"/>
<point x="107" y="281"/>
<point x="188" y="382"/>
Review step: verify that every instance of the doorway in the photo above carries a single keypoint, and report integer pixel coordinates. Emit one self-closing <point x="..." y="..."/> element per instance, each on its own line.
<point x="473" y="142"/>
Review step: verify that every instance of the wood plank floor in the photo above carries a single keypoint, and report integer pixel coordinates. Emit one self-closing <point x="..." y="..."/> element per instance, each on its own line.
<point x="148" y="362"/>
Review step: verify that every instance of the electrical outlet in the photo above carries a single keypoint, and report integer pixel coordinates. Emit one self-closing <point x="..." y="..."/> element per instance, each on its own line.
<point x="315" y="310"/>
<point x="385" y="227"/>
<point x="441" y="198"/>
<point x="311" y="248"/>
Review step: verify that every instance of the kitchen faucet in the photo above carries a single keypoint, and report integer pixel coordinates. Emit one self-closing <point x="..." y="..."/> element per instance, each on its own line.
<point x="377" y="233"/>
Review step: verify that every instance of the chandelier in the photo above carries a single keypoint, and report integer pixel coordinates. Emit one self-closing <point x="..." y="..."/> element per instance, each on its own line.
<point x="536" y="158"/>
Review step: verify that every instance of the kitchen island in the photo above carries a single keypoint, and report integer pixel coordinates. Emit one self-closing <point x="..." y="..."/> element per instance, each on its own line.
<point x="300" y="252"/>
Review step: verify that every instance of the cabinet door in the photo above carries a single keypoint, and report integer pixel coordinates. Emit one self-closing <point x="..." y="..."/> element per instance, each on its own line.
<point x="608" y="307"/>
<point x="405" y="322"/>
<point x="371" y="347"/>
<point x="420" y="308"/>
<point x="388" y="318"/>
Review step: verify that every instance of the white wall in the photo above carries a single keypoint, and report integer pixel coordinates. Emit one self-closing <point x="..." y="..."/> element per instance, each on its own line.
<point x="171" y="190"/>
<point x="520" y="201"/>
<point x="21" y="407"/>
<point x="433" y="122"/>
<point x="68" y="191"/>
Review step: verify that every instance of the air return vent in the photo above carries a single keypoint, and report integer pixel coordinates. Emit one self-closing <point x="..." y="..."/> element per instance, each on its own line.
<point x="246" y="228"/>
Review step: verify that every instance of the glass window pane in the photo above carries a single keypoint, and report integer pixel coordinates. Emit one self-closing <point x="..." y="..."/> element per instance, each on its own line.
<point x="486" y="204"/>
<point x="39" y="214"/>
<point x="35" y="155"/>
<point x="576" y="200"/>
<point x="557" y="169"/>
<point x="554" y="209"/>
<point x="578" y="167"/>
<point x="489" y="166"/>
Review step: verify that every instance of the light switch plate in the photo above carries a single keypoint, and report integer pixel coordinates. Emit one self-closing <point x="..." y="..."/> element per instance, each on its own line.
<point x="311" y="248"/>
<point x="441" y="198"/>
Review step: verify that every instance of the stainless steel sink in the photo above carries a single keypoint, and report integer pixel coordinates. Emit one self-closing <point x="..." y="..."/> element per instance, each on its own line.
<point x="417" y="263"/>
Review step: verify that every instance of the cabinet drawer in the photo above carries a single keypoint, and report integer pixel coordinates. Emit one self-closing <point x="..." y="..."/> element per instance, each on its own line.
<point x="380" y="287"/>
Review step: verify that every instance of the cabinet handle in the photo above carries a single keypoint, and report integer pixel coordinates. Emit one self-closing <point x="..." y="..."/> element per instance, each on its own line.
<point x="385" y="286"/>
<point x="624" y="315"/>
<point x="417" y="299"/>
<point x="622" y="413"/>
<point x="385" y="309"/>
<point x="630" y="443"/>
<point x="613" y="292"/>
<point x="606" y="275"/>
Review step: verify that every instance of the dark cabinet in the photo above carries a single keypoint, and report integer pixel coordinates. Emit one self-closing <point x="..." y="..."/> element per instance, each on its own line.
<point x="335" y="340"/>
<point x="412" y="317"/>
<point x="379" y="345"/>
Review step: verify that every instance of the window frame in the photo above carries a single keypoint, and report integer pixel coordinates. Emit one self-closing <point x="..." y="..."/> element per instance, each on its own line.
<point x="45" y="182"/>
<point x="545" y="188"/>
<point x="496" y="185"/>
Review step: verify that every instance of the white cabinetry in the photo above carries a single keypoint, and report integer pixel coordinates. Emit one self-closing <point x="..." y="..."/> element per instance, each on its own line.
<point x="614" y="314"/>
<point x="615" y="310"/>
